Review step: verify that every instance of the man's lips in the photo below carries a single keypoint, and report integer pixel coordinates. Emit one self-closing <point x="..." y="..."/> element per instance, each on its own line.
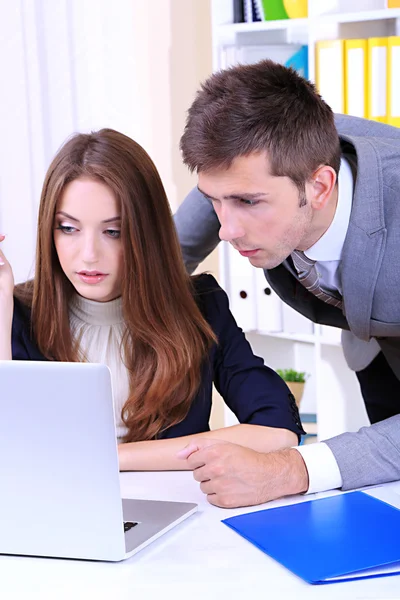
<point x="248" y="252"/>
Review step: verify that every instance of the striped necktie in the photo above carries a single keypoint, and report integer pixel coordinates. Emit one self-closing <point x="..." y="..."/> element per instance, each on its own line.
<point x="309" y="278"/>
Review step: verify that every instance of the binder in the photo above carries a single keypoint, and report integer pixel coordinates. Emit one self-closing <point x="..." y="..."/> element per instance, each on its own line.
<point x="294" y="322"/>
<point x="248" y="11"/>
<point x="257" y="10"/>
<point x="269" y="305"/>
<point x="331" y="335"/>
<point x="238" y="11"/>
<point x="393" y="83"/>
<point x="377" y="79"/>
<point x="347" y="536"/>
<point x="355" y="75"/>
<point x="294" y="55"/>
<point x="241" y="292"/>
<point x="251" y="11"/>
<point x="299" y="61"/>
<point x="273" y="10"/>
<point x="329" y="62"/>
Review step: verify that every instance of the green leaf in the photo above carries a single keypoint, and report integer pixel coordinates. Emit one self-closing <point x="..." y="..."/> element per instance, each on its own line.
<point x="292" y="375"/>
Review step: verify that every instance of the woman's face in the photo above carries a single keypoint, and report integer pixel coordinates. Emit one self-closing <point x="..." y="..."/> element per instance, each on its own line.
<point x="87" y="231"/>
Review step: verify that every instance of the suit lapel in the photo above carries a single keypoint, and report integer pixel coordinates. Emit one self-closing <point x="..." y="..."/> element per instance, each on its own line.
<point x="365" y="240"/>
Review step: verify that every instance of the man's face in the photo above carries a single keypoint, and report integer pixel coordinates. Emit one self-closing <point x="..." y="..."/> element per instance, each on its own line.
<point x="260" y="215"/>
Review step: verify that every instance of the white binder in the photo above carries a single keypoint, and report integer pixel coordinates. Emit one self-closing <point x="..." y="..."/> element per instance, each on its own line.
<point x="331" y="335"/>
<point x="295" y="323"/>
<point x="241" y="289"/>
<point x="269" y="305"/>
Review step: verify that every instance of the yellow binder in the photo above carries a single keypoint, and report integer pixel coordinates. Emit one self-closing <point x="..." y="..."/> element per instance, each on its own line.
<point x="355" y="77"/>
<point x="393" y="4"/>
<point x="377" y="79"/>
<point x="329" y="63"/>
<point x="393" y="81"/>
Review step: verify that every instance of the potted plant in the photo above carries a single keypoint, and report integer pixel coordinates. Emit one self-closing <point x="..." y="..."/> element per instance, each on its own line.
<point x="295" y="381"/>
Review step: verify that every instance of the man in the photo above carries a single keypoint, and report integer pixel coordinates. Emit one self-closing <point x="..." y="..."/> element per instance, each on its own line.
<point x="317" y="206"/>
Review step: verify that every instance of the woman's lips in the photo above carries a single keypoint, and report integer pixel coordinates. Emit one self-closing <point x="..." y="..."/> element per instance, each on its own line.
<point x="91" y="277"/>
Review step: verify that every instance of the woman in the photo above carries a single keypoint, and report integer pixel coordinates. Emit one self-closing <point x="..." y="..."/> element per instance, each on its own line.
<point x="110" y="286"/>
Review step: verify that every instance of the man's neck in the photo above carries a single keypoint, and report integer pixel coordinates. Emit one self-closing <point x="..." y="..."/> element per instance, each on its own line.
<point x="321" y="222"/>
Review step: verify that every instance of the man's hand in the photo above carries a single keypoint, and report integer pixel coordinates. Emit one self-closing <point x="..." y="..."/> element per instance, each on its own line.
<point x="234" y="476"/>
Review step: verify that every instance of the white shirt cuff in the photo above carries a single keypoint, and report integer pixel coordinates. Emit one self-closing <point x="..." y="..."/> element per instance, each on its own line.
<point x="323" y="470"/>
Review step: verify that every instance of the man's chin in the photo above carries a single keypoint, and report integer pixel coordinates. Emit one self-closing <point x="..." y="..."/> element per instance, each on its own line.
<point x="264" y="262"/>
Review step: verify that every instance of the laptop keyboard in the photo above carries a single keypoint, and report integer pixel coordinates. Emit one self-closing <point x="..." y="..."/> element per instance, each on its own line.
<point x="128" y="525"/>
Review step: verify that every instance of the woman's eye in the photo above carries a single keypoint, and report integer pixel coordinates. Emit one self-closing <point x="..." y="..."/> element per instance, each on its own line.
<point x="68" y="229"/>
<point x="114" y="233"/>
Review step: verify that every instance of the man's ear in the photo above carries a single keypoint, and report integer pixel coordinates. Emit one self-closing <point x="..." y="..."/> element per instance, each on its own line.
<point x="321" y="186"/>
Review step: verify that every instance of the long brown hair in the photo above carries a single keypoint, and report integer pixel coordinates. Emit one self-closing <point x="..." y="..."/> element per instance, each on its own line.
<point x="256" y="108"/>
<point x="167" y="339"/>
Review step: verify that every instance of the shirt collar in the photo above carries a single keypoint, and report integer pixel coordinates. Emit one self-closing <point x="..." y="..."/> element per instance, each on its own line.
<point x="97" y="313"/>
<point x="330" y="245"/>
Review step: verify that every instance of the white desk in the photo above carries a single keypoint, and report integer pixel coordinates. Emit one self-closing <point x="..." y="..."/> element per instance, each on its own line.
<point x="200" y="558"/>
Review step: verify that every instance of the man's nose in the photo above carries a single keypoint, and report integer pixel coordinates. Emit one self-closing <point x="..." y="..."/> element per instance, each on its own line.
<point x="231" y="227"/>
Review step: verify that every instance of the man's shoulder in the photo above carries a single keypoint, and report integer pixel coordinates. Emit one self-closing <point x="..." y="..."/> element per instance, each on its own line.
<point x="350" y="126"/>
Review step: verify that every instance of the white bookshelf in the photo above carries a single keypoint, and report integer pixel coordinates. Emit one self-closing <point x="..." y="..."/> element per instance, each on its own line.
<point x="332" y="390"/>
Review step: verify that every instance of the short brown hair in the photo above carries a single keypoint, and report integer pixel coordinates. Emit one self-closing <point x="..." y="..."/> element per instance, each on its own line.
<point x="261" y="107"/>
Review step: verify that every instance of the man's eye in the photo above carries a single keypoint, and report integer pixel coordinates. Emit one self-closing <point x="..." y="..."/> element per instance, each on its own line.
<point x="113" y="233"/>
<point x="68" y="229"/>
<point x="249" y="202"/>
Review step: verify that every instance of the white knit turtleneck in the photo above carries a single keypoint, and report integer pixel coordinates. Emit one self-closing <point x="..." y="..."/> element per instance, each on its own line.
<point x="99" y="326"/>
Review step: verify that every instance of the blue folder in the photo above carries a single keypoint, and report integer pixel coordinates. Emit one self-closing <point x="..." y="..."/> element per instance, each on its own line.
<point x="347" y="536"/>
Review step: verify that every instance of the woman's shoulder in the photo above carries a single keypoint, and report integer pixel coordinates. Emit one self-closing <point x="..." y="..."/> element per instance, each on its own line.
<point x="24" y="346"/>
<point x="207" y="289"/>
<point x="22" y="313"/>
<point x="22" y="309"/>
<point x="211" y="298"/>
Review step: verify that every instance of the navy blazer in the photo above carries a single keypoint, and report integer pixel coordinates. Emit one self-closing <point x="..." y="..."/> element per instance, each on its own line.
<point x="254" y="392"/>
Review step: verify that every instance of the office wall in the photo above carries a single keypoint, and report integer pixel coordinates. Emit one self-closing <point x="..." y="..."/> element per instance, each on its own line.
<point x="79" y="65"/>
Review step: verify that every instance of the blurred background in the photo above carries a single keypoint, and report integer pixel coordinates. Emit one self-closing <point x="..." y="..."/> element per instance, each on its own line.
<point x="80" y="65"/>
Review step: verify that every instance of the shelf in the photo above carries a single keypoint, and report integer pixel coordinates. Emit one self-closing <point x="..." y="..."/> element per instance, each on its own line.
<point x="333" y="18"/>
<point x="263" y="25"/>
<point x="330" y="342"/>
<point x="307" y="338"/>
<point x="358" y="17"/>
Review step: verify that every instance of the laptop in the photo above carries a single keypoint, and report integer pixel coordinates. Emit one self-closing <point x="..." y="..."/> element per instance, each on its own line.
<point x="60" y="490"/>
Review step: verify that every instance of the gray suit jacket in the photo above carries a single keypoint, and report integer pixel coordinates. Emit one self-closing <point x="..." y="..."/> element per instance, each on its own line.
<point x="370" y="281"/>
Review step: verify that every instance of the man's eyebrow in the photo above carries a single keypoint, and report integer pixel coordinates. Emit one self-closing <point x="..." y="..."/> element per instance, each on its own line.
<point x="61" y="212"/>
<point x="243" y="196"/>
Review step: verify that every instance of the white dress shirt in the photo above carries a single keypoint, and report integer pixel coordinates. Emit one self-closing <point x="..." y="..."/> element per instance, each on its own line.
<point x="323" y="470"/>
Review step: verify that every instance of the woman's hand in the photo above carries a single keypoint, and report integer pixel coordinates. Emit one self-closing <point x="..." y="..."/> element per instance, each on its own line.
<point x="6" y="279"/>
<point x="6" y="306"/>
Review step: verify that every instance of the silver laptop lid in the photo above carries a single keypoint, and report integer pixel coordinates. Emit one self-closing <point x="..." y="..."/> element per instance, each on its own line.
<point x="60" y="491"/>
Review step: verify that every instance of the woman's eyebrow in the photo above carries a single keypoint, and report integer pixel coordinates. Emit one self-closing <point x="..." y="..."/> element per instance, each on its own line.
<point x="112" y="220"/>
<point x="61" y="212"/>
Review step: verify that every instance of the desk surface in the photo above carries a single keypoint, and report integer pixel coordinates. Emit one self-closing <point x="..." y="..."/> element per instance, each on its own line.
<point x="200" y="558"/>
